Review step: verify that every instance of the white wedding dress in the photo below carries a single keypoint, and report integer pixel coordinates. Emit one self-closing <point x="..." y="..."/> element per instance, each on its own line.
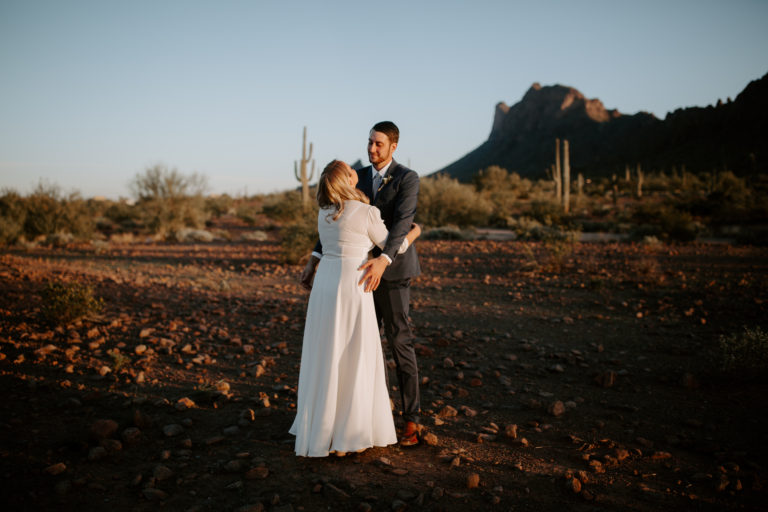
<point x="343" y="403"/>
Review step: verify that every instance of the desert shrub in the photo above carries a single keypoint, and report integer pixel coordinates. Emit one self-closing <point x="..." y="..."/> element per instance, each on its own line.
<point x="501" y="190"/>
<point x="44" y="212"/>
<point x="443" y="200"/>
<point x="77" y="216"/>
<point x="757" y="237"/>
<point x="745" y="353"/>
<point x="169" y="200"/>
<point x="250" y="209"/>
<point x="219" y="205"/>
<point x="547" y="212"/>
<point x="286" y="207"/>
<point x="65" y="302"/>
<point x="297" y="240"/>
<point x="13" y="214"/>
<point x="664" y="222"/>
<point x="123" y="216"/>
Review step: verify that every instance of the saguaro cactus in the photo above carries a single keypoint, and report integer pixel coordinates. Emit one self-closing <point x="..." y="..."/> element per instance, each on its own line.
<point x="566" y="177"/>
<point x="640" y="177"/>
<point x="300" y="169"/>
<point x="556" y="173"/>
<point x="579" y="187"/>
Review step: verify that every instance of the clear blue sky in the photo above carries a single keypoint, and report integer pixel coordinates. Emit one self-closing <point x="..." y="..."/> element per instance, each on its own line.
<point x="93" y="92"/>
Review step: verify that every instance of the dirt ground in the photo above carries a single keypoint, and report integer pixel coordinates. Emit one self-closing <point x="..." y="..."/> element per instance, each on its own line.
<point x="552" y="380"/>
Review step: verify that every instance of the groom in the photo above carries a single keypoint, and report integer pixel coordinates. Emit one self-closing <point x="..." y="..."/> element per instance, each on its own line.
<point x="393" y="189"/>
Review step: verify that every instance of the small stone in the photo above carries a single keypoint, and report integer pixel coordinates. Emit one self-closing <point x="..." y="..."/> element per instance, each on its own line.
<point x="573" y="484"/>
<point x="184" y="403"/>
<point x="621" y="454"/>
<point x="398" y="505"/>
<point x="102" y="429"/>
<point x="258" y="473"/>
<point x="140" y="349"/>
<point x="131" y="435"/>
<point x="173" y="429"/>
<point x="661" y="455"/>
<point x="447" y="412"/>
<point x="399" y="472"/>
<point x="597" y="466"/>
<point x="473" y="481"/>
<point x="258" y="371"/>
<point x="153" y="494"/>
<point x="222" y="386"/>
<point x="233" y="466"/>
<point x="231" y="431"/>
<point x="430" y="439"/>
<point x="511" y="431"/>
<point x="448" y="363"/>
<point x="104" y="370"/>
<point x="556" y="408"/>
<point x="214" y="440"/>
<point x="455" y="462"/>
<point x="96" y="453"/>
<point x="141" y="420"/>
<point x="111" y="445"/>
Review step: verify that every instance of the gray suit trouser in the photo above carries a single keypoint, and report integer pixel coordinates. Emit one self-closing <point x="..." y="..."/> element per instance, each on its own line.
<point x="392" y="300"/>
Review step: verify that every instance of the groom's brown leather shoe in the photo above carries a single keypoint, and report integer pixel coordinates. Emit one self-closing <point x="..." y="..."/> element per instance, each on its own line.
<point x="410" y="435"/>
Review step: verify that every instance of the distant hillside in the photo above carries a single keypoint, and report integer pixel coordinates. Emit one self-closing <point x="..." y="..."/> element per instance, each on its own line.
<point x="731" y="135"/>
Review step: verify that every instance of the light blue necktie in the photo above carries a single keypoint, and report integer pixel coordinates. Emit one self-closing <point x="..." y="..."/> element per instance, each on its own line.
<point x="376" y="184"/>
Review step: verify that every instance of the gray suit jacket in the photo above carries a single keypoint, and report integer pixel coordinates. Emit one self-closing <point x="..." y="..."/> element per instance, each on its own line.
<point x="397" y="201"/>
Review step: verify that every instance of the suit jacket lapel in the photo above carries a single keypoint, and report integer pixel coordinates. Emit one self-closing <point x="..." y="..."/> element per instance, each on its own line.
<point x="364" y="182"/>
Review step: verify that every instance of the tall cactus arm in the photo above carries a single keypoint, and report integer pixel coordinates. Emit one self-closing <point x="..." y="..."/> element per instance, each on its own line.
<point x="312" y="172"/>
<point x="296" y="170"/>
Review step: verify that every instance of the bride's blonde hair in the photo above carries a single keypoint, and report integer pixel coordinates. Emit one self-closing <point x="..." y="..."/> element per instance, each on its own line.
<point x="333" y="188"/>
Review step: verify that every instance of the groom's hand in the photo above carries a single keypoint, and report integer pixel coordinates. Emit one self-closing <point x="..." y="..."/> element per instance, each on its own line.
<point x="373" y="270"/>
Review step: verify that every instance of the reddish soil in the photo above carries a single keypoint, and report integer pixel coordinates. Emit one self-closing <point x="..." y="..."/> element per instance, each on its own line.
<point x="623" y="336"/>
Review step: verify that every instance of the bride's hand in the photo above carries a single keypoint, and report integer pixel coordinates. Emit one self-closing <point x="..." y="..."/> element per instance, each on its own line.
<point x="308" y="274"/>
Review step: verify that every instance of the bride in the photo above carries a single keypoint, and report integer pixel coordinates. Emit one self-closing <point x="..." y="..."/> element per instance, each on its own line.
<point x="343" y="402"/>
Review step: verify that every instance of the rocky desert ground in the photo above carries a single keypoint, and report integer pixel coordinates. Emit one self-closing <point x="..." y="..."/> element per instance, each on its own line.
<point x="576" y="378"/>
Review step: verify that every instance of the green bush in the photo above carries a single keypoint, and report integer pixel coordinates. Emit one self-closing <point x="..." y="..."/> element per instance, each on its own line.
<point x="13" y="214"/>
<point x="169" y="200"/>
<point x="65" y="302"/>
<point x="297" y="240"/>
<point x="286" y="207"/>
<point x="664" y="222"/>
<point x="44" y="211"/>
<point x="443" y="200"/>
<point x="745" y="353"/>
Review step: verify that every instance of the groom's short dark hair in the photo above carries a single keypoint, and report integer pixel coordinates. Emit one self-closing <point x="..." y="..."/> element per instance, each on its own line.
<point x="389" y="129"/>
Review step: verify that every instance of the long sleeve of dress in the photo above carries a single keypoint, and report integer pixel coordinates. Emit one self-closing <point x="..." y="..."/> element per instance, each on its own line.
<point x="378" y="233"/>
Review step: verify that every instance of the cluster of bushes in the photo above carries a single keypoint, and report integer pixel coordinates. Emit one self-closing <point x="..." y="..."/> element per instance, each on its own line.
<point x="46" y="211"/>
<point x="677" y="206"/>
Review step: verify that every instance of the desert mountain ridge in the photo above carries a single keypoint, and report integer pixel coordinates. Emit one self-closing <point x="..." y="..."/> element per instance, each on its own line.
<point x="731" y="135"/>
